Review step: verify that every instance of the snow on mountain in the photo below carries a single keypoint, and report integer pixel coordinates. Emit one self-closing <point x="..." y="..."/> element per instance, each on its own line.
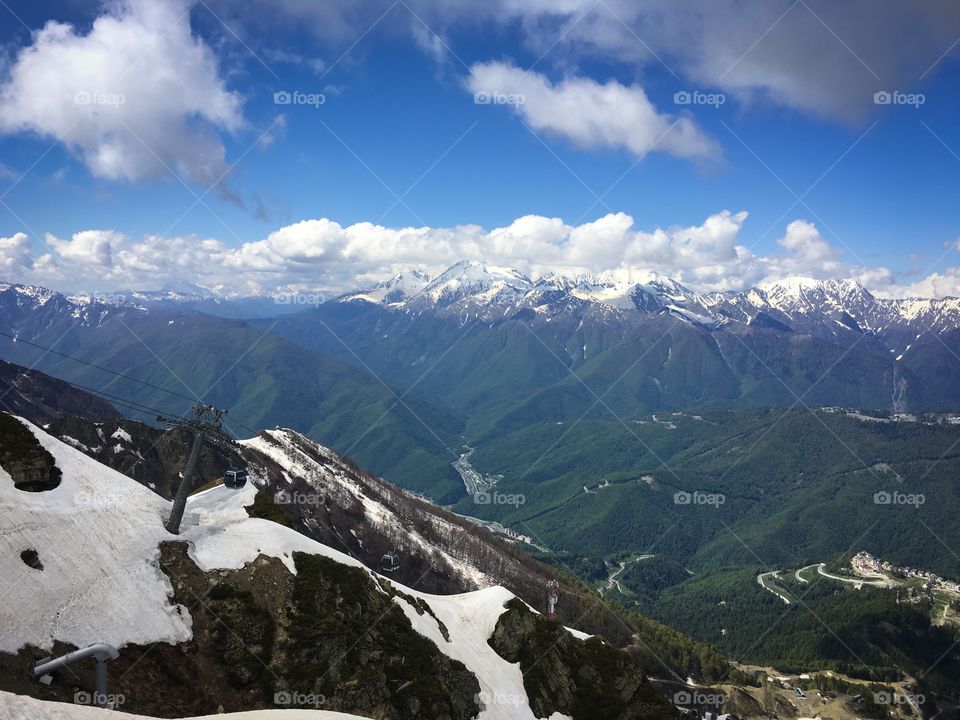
<point x="19" y="707"/>
<point x="29" y="294"/>
<point x="97" y="536"/>
<point x="805" y="295"/>
<point x="397" y="289"/>
<point x="97" y="530"/>
<point x="327" y="473"/>
<point x="831" y="308"/>
<point x="475" y="281"/>
<point x="603" y="289"/>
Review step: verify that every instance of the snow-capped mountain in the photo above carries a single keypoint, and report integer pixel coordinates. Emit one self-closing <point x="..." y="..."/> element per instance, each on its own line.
<point x="397" y="289"/>
<point x="840" y="307"/>
<point x="94" y="563"/>
<point x="475" y="283"/>
<point x="830" y="308"/>
<point x="835" y="309"/>
<point x="486" y="291"/>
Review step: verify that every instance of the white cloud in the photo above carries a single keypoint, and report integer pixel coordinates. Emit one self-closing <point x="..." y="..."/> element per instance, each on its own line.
<point x="589" y="113"/>
<point x="819" y="56"/>
<point x="807" y="249"/>
<point x="134" y="97"/>
<point x="428" y="41"/>
<point x="8" y="173"/>
<point x="89" y="247"/>
<point x="15" y="253"/>
<point x="938" y="284"/>
<point x="322" y="255"/>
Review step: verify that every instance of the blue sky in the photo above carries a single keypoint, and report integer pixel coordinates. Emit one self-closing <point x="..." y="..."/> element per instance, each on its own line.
<point x="399" y="119"/>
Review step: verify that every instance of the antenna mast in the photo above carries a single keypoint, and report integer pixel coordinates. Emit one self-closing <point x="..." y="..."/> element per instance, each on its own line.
<point x="205" y="424"/>
<point x="553" y="593"/>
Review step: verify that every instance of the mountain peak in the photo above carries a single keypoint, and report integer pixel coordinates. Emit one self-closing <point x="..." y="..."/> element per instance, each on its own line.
<point x="470" y="278"/>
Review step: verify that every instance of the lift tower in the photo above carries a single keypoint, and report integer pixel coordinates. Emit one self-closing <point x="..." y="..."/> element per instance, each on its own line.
<point x="553" y="593"/>
<point x="206" y="424"/>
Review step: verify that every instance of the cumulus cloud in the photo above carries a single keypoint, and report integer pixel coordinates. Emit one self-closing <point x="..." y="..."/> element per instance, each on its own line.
<point x="806" y="248"/>
<point x="15" y="253"/>
<point x="938" y="284"/>
<point x="322" y="255"/>
<point x="589" y="113"/>
<point x="90" y="247"/>
<point x="135" y="97"/>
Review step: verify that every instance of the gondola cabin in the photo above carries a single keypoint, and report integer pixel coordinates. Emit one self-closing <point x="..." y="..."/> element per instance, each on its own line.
<point x="235" y="478"/>
<point x="390" y="562"/>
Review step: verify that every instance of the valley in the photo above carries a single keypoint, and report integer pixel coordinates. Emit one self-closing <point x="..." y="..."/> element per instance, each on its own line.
<point x="503" y="360"/>
<point x="706" y="497"/>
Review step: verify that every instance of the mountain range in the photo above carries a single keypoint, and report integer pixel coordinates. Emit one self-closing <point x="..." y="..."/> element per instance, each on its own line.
<point x="594" y="405"/>
<point x="831" y="308"/>
<point x="402" y="374"/>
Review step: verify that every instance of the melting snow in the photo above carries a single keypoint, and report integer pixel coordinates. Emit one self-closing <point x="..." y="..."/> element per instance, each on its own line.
<point x="97" y="535"/>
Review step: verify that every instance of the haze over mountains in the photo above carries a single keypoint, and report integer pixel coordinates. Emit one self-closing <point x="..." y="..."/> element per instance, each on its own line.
<point x="401" y="374"/>
<point x="801" y="304"/>
<point x="798" y="303"/>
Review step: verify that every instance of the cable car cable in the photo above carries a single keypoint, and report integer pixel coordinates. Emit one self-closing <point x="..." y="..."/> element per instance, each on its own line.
<point x="141" y="407"/>
<point x="98" y="367"/>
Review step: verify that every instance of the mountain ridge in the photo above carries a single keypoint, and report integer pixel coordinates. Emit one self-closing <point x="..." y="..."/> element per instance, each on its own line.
<point x="829" y="308"/>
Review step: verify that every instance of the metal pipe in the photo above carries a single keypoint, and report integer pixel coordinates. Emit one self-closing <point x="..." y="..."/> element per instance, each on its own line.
<point x="101" y="652"/>
<point x="100" y="682"/>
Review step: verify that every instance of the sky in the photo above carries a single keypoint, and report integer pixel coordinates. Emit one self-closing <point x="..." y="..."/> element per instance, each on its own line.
<point x="248" y="147"/>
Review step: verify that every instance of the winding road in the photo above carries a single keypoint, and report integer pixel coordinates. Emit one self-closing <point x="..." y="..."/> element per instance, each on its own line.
<point x="775" y="574"/>
<point x="613" y="581"/>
